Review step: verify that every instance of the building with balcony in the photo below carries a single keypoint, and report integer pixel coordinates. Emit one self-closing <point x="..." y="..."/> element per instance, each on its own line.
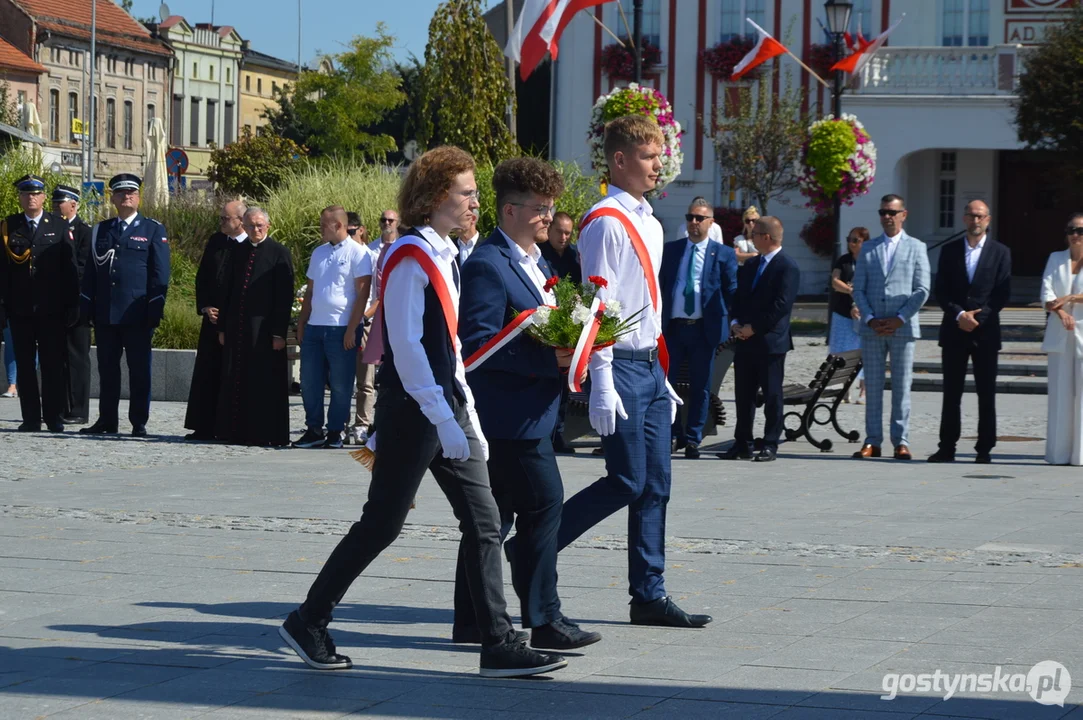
<point x="261" y="76"/>
<point x="130" y="86"/>
<point x="937" y="101"/>
<point x="203" y="96"/>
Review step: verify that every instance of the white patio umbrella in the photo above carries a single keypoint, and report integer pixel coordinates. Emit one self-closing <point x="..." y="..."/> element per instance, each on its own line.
<point x="155" y="178"/>
<point x="33" y="126"/>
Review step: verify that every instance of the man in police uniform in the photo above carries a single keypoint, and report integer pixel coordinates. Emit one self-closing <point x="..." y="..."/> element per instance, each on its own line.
<point x="40" y="292"/>
<point x="66" y="205"/>
<point x="124" y="290"/>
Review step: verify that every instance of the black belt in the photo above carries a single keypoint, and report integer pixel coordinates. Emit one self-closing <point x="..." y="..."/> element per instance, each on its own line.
<point x="686" y="321"/>
<point x="642" y="355"/>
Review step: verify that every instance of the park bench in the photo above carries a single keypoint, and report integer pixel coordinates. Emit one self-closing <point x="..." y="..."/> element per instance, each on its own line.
<point x="821" y="399"/>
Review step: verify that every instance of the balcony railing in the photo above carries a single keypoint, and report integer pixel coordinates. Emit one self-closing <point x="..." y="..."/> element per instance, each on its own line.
<point x="942" y="71"/>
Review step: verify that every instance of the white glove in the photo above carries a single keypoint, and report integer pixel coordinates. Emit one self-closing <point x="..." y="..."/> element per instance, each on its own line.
<point x="453" y="440"/>
<point x="674" y="401"/>
<point x="605" y="404"/>
<point x="476" y="423"/>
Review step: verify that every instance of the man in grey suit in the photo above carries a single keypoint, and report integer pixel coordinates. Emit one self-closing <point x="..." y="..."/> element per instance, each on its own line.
<point x="891" y="283"/>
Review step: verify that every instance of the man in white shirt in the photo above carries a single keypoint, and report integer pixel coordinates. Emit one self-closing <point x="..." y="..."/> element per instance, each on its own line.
<point x="468" y="240"/>
<point x="631" y="403"/>
<point x="329" y="328"/>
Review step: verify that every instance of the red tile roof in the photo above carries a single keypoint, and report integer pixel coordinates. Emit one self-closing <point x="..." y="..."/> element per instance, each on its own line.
<point x="72" y="19"/>
<point x="13" y="58"/>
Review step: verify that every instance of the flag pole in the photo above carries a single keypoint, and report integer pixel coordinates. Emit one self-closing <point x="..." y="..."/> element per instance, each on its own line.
<point x="807" y="68"/>
<point x="605" y="27"/>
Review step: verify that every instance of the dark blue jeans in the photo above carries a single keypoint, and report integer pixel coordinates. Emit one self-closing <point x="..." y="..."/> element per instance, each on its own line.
<point x="688" y="342"/>
<point x="322" y="353"/>
<point x="637" y="477"/>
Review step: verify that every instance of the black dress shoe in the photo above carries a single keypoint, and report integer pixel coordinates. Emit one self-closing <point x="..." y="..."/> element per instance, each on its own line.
<point x="472" y="636"/>
<point x="765" y="455"/>
<point x="736" y="452"/>
<point x="561" y="447"/>
<point x="139" y="431"/>
<point x="561" y="634"/>
<point x="665" y="612"/>
<point x="679" y="444"/>
<point x="99" y="428"/>
<point x="691" y="451"/>
<point x="983" y="459"/>
<point x="55" y="427"/>
<point x="199" y="437"/>
<point x="941" y="456"/>
<point x="30" y="427"/>
<point x="75" y="420"/>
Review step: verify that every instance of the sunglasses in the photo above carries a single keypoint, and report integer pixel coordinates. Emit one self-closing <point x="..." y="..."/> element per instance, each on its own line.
<point x="387" y="220"/>
<point x="1077" y="231"/>
<point x="352" y="231"/>
<point x="750" y="221"/>
<point x="697" y="218"/>
<point x="889" y="213"/>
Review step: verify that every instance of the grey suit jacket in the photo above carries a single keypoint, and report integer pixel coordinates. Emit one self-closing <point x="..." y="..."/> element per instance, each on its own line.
<point x="900" y="292"/>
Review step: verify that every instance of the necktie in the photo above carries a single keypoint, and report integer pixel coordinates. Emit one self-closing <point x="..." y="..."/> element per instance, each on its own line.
<point x="33" y="226"/>
<point x="759" y="272"/>
<point x="690" y="282"/>
<point x="455" y="274"/>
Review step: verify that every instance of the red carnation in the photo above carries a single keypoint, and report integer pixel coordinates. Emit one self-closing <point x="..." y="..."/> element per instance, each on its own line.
<point x="551" y="283"/>
<point x="598" y="280"/>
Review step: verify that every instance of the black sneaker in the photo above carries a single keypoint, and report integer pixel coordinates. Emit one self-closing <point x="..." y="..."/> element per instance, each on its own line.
<point x="311" y="438"/>
<point x="333" y="441"/>
<point x="313" y="644"/>
<point x="515" y="659"/>
<point x="562" y="634"/>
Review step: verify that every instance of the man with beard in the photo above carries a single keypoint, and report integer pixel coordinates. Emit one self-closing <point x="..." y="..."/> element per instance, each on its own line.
<point x="207" y="373"/>
<point x="253" y="317"/>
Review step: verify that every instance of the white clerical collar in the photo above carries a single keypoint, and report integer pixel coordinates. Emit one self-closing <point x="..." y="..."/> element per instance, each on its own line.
<point x="242" y="237"/>
<point x="443" y="246"/>
<point x="628" y="202"/>
<point x="520" y="253"/>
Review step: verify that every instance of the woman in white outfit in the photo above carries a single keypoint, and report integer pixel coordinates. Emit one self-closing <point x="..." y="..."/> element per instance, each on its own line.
<point x="1062" y="294"/>
<point x="742" y="244"/>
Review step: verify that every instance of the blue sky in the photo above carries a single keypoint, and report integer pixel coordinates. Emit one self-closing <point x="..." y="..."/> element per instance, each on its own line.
<point x="327" y="25"/>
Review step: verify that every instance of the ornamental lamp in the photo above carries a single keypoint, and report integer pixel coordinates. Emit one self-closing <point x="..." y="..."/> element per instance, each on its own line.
<point x="838" y="16"/>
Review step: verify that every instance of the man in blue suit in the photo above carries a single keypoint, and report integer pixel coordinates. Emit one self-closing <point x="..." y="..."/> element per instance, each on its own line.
<point x="124" y="297"/>
<point x="767" y="287"/>
<point x="516" y="393"/>
<point x="699" y="279"/>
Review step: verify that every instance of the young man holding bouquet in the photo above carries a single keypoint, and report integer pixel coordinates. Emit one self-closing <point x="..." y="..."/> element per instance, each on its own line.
<point x="506" y="276"/>
<point x="632" y="405"/>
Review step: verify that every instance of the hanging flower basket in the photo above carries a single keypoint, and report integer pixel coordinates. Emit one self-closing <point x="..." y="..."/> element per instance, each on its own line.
<point x="620" y="64"/>
<point x="821" y="57"/>
<point x="636" y="100"/>
<point x="719" y="60"/>
<point x="819" y="235"/>
<point x="838" y="160"/>
<point x="730" y="221"/>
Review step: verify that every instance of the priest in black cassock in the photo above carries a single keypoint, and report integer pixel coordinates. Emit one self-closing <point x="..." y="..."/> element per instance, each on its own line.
<point x="207" y="373"/>
<point x="253" y="317"/>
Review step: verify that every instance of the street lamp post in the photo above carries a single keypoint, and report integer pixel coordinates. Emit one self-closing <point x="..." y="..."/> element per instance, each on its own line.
<point x="637" y="37"/>
<point x="838" y="20"/>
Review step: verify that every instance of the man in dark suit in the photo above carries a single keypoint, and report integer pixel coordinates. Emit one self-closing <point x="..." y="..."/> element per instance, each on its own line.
<point x="40" y="292"/>
<point x="124" y="296"/>
<point x="516" y="392"/>
<point x="563" y="259"/>
<point x="699" y="279"/>
<point x="766" y="289"/>
<point x="66" y="205"/>
<point x="973" y="284"/>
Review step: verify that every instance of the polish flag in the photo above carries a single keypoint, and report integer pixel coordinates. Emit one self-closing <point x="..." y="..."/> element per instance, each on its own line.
<point x="864" y="51"/>
<point x="538" y="28"/>
<point x="766" y="48"/>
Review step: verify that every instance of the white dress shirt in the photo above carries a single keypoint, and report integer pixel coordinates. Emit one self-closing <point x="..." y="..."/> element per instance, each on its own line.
<point x="891" y="244"/>
<point x="403" y="312"/>
<point x="33" y="221"/>
<point x="973" y="254"/>
<point x="700" y="251"/>
<point x="529" y="263"/>
<point x="466" y="247"/>
<point x="606" y="250"/>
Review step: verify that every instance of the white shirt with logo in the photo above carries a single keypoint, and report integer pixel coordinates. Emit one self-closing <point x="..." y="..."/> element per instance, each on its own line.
<point x="332" y="271"/>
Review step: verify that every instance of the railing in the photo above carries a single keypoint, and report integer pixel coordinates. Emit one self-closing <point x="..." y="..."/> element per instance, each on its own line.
<point x="942" y="71"/>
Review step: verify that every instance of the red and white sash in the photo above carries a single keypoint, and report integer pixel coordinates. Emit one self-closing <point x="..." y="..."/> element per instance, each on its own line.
<point x="508" y="333"/>
<point x="408" y="248"/>
<point x="644" y="256"/>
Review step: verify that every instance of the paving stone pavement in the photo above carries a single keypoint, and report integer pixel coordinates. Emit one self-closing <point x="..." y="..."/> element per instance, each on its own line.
<point x="147" y="578"/>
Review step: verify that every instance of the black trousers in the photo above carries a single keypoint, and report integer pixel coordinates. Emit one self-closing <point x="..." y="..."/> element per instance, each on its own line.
<point x="754" y="371"/>
<point x="79" y="370"/>
<point x="133" y="341"/>
<point x="40" y="337"/>
<point x="406" y="446"/>
<point x="954" y="359"/>
<point x="530" y="493"/>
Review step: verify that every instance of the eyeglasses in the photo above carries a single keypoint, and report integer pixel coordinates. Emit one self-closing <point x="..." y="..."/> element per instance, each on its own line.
<point x="470" y="194"/>
<point x="975" y="216"/>
<point x="352" y="231"/>
<point x="697" y="218"/>
<point x="387" y="220"/>
<point x="1077" y="231"/>
<point x="542" y="210"/>
<point x="884" y="212"/>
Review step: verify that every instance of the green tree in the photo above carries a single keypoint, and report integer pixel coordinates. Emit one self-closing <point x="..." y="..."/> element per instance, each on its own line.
<point x="9" y="113"/>
<point x="336" y="111"/>
<point x="255" y="164"/>
<point x="283" y="120"/>
<point x="758" y="140"/>
<point x="1049" y="101"/>
<point x="465" y="91"/>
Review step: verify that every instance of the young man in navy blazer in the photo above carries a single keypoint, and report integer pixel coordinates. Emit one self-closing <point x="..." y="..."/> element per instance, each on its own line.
<point x="766" y="290"/>
<point x="699" y="280"/>
<point x="517" y="393"/>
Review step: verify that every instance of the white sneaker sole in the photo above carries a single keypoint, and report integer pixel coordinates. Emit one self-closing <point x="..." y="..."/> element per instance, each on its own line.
<point x="521" y="672"/>
<point x="304" y="656"/>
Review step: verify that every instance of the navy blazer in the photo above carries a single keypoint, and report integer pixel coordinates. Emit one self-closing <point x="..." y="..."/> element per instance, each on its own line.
<point x="990" y="291"/>
<point x="517" y="390"/>
<point x="717" y="286"/>
<point x="767" y="307"/>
